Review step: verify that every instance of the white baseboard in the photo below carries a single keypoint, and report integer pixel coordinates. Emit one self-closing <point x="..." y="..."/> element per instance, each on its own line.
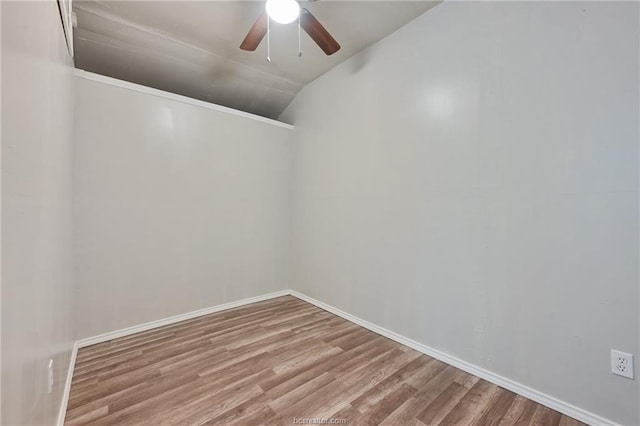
<point x="177" y="318"/>
<point x="534" y="395"/>
<point x="67" y="386"/>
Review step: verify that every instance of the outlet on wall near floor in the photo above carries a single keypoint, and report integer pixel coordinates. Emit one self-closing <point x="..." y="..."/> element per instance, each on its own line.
<point x="50" y="376"/>
<point x="622" y="364"/>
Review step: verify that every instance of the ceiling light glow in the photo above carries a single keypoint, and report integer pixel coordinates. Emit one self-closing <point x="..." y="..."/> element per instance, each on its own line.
<point x="283" y="11"/>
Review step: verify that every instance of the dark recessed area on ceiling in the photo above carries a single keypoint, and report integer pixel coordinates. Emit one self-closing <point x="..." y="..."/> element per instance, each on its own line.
<point x="192" y="47"/>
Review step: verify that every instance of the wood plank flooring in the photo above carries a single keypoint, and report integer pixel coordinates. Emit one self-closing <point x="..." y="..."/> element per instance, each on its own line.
<point x="276" y="361"/>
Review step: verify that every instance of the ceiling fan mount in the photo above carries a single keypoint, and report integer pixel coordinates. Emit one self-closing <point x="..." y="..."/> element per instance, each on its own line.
<point x="288" y="11"/>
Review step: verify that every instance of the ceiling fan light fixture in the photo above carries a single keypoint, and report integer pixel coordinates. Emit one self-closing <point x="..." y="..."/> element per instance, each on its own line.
<point x="283" y="11"/>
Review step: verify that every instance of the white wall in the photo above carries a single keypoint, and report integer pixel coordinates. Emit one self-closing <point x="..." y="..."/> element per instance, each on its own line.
<point x="178" y="207"/>
<point x="37" y="132"/>
<point x="471" y="182"/>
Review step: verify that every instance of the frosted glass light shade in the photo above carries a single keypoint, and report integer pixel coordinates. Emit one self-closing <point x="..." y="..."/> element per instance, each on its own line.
<point x="283" y="11"/>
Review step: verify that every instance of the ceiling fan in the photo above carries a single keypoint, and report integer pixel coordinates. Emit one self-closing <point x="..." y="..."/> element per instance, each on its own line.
<point x="285" y="12"/>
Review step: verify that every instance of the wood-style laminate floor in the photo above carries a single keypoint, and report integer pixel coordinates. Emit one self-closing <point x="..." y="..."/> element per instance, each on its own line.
<point x="276" y="361"/>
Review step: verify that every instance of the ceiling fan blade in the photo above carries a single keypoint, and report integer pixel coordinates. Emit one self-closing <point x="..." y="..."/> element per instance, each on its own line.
<point x="318" y="33"/>
<point x="255" y="34"/>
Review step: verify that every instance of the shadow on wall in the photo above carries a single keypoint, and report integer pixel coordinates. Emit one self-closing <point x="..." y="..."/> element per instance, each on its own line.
<point x="359" y="62"/>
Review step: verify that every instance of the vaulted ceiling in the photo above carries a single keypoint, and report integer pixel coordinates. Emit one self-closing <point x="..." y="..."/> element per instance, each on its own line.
<point x="192" y="47"/>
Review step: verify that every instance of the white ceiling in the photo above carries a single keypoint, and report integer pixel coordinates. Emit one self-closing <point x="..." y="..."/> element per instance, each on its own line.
<point x="192" y="47"/>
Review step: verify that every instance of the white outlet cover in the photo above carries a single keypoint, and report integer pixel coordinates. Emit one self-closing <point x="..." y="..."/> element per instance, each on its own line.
<point x="622" y="364"/>
<point x="50" y="376"/>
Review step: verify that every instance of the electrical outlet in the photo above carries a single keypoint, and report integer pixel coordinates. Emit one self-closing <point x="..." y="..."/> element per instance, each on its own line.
<point x="622" y="364"/>
<point x="50" y="376"/>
